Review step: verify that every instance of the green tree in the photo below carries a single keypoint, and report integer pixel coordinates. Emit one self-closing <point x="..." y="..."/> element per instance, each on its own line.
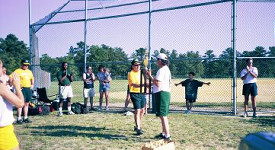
<point x="12" y="51"/>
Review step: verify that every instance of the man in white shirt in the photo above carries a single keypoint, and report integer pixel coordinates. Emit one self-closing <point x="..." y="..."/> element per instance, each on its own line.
<point x="161" y="89"/>
<point x="249" y="76"/>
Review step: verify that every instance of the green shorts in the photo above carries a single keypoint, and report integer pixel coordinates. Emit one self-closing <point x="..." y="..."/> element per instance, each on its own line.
<point x="27" y="92"/>
<point x="138" y="100"/>
<point x="162" y="103"/>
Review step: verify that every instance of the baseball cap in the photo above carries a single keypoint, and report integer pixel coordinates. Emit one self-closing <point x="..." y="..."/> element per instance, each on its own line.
<point x="25" y="62"/>
<point x="135" y="62"/>
<point x="162" y="56"/>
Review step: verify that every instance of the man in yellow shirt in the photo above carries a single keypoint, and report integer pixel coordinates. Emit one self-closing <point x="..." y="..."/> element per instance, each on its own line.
<point x="26" y="83"/>
<point x="137" y="96"/>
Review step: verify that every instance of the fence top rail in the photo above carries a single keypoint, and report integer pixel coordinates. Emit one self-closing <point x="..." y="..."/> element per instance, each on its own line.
<point x="255" y="57"/>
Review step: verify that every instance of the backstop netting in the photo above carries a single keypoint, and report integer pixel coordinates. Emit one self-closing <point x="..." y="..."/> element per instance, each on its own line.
<point x="196" y="35"/>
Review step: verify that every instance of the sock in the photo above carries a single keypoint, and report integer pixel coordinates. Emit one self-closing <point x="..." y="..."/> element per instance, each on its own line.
<point x="167" y="136"/>
<point x="19" y="118"/>
<point x="69" y="108"/>
<point x="25" y="117"/>
<point x="60" y="109"/>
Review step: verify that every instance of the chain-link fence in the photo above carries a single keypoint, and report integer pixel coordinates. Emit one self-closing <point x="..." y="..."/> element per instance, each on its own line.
<point x="215" y="98"/>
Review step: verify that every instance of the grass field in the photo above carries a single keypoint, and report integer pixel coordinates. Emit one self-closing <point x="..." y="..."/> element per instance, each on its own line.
<point x="219" y="93"/>
<point x="113" y="131"/>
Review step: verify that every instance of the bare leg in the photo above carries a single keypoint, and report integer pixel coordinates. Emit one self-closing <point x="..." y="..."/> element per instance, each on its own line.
<point x="165" y="125"/>
<point x="137" y="118"/>
<point x="26" y="108"/>
<point x="246" y="98"/>
<point x="107" y="98"/>
<point x="19" y="112"/>
<point x="190" y="106"/>
<point x="127" y="101"/>
<point x="187" y="105"/>
<point x="91" y="102"/>
<point x="85" y="102"/>
<point x="141" y="116"/>
<point x="100" y="99"/>
<point x="253" y="99"/>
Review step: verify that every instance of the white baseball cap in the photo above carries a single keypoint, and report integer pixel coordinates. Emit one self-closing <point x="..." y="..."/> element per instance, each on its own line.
<point x="162" y="56"/>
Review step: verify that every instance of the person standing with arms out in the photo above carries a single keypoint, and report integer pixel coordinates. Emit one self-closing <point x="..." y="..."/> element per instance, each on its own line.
<point x="161" y="89"/>
<point x="65" y="77"/>
<point x="8" y="139"/>
<point x="88" y="90"/>
<point x="191" y="90"/>
<point x="104" y="79"/>
<point x="26" y="83"/>
<point x="137" y="96"/>
<point x="249" y="76"/>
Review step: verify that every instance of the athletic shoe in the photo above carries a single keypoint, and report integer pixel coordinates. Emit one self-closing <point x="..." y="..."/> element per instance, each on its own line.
<point x="139" y="132"/>
<point x="160" y="136"/>
<point x="27" y="120"/>
<point x="99" y="108"/>
<point x="187" y="111"/>
<point x="71" y="113"/>
<point x="254" y="115"/>
<point x="92" y="109"/>
<point x="245" y="114"/>
<point x="20" y="121"/>
<point x="59" y="114"/>
<point x="106" y="108"/>
<point x="128" y="113"/>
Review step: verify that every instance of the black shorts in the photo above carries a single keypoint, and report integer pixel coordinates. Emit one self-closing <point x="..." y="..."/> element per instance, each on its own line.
<point x="27" y="93"/>
<point x="250" y="88"/>
<point x="138" y="100"/>
<point x="191" y="100"/>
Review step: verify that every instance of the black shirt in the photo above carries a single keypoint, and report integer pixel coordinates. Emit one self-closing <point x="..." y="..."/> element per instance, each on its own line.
<point x="191" y="88"/>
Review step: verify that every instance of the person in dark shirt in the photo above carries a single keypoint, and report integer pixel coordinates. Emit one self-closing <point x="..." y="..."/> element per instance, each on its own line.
<point x="191" y="90"/>
<point x="65" y="77"/>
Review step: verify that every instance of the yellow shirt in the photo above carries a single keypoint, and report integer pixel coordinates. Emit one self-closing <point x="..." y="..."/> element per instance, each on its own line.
<point x="26" y="77"/>
<point x="134" y="77"/>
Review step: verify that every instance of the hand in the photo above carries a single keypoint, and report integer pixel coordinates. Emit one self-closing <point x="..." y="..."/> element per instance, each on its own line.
<point x="247" y="68"/>
<point x="15" y="80"/>
<point x="208" y="83"/>
<point x="149" y="72"/>
<point x="176" y="84"/>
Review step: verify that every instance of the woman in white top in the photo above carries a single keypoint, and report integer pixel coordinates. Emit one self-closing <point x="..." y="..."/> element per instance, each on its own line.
<point x="8" y="139"/>
<point x="249" y="76"/>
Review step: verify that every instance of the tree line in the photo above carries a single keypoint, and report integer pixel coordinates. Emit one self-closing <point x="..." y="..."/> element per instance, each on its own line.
<point x="208" y="65"/>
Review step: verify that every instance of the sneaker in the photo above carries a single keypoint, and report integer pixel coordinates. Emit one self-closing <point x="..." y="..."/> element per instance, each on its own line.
<point x="128" y="113"/>
<point x="99" y="108"/>
<point x="139" y="131"/>
<point x="92" y="109"/>
<point x="125" y="110"/>
<point x="59" y="114"/>
<point x="255" y="115"/>
<point x="106" y="108"/>
<point x="19" y="121"/>
<point x="71" y="113"/>
<point x="187" y="111"/>
<point x="27" y="120"/>
<point x="245" y="114"/>
<point x="160" y="136"/>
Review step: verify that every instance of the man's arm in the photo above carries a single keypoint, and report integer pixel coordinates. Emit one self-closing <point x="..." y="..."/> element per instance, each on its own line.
<point x="207" y="83"/>
<point x="155" y="81"/>
<point x="71" y="77"/>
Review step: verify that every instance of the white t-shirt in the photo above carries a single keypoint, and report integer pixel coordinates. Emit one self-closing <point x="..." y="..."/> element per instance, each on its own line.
<point x="164" y="76"/>
<point x="6" y="113"/>
<point x="249" y="77"/>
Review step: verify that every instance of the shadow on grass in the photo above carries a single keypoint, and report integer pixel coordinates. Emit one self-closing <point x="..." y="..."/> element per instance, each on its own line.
<point x="264" y="121"/>
<point x="75" y="131"/>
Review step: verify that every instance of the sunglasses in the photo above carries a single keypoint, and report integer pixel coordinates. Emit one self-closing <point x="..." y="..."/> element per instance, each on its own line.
<point x="136" y="65"/>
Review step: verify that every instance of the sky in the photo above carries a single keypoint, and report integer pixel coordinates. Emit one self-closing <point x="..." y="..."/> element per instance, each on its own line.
<point x="192" y="29"/>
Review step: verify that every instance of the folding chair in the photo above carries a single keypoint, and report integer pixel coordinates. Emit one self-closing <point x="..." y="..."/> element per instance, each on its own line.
<point x="42" y="96"/>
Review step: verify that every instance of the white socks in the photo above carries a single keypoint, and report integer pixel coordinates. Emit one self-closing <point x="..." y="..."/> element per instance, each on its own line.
<point x="60" y="109"/>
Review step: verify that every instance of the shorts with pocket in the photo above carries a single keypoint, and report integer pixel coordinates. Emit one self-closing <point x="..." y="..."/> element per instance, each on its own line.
<point x="8" y="139"/>
<point x="66" y="91"/>
<point x="250" y="88"/>
<point x="138" y="100"/>
<point x="162" y="103"/>
<point x="88" y="92"/>
<point x="27" y="93"/>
